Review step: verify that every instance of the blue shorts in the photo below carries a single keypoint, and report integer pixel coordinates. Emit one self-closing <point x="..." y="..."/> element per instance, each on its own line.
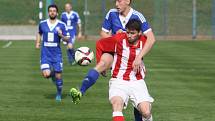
<point x="55" y="66"/>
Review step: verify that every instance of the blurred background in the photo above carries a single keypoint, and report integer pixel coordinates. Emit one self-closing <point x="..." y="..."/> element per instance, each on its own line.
<point x="170" y="19"/>
<point x="180" y="74"/>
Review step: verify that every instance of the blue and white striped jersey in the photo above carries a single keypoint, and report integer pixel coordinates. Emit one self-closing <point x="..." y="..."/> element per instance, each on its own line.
<point x="114" y="21"/>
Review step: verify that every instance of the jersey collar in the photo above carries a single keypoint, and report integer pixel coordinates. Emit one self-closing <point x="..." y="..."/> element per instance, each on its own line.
<point x="69" y="14"/>
<point x="124" y="20"/>
<point x="52" y="26"/>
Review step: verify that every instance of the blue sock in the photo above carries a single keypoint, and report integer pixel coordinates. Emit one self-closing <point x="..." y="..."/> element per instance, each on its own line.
<point x="72" y="51"/>
<point x="89" y="80"/>
<point x="59" y="85"/>
<point x="137" y="115"/>
<point x="71" y="55"/>
<point x="53" y="76"/>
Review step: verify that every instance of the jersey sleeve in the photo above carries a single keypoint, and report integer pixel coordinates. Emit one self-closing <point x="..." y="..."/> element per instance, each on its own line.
<point x="105" y="45"/>
<point x="145" y="27"/>
<point x="78" y="18"/>
<point x="106" y="26"/>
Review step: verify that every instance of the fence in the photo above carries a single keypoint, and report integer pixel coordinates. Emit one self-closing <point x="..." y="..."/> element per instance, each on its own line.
<point x="166" y="17"/>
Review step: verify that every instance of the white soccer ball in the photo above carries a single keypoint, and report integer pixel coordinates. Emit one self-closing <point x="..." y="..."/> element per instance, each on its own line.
<point x="84" y="56"/>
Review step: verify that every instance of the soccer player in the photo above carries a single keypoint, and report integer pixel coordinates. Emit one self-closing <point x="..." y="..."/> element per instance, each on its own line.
<point x="51" y="31"/>
<point x="72" y="20"/>
<point x="126" y="83"/>
<point x="115" y="22"/>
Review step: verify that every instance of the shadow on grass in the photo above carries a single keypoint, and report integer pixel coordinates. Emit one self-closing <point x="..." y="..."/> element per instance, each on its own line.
<point x="52" y="96"/>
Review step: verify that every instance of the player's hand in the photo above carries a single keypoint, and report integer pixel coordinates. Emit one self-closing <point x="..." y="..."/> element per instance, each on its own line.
<point x="119" y="31"/>
<point x="37" y="46"/>
<point x="60" y="33"/>
<point x="79" y="37"/>
<point x="138" y="64"/>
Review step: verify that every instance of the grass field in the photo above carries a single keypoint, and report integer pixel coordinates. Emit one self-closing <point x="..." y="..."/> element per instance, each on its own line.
<point x="181" y="78"/>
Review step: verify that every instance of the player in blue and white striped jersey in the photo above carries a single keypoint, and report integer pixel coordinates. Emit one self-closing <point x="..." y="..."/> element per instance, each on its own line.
<point x="114" y="21"/>
<point x="72" y="20"/>
<point x="51" y="31"/>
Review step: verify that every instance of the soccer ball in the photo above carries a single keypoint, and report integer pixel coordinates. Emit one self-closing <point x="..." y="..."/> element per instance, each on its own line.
<point x="84" y="56"/>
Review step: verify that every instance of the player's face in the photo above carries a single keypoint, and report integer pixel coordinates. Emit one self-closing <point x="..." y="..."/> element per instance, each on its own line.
<point x="133" y="36"/>
<point x="68" y="7"/>
<point x="122" y="5"/>
<point x="52" y="13"/>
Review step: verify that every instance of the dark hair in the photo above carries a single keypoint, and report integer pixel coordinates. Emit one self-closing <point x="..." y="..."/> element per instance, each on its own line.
<point x="130" y="2"/>
<point x="53" y="6"/>
<point x="134" y="24"/>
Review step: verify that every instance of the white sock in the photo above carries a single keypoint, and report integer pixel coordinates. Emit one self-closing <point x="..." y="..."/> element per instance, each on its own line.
<point x="149" y="119"/>
<point x="117" y="113"/>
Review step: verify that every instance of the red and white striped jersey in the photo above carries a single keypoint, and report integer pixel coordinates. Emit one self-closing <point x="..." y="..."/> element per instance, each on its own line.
<point x="124" y="55"/>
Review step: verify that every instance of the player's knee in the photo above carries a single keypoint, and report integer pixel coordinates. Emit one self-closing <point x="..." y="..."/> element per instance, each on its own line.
<point x="107" y="59"/>
<point x="146" y="114"/>
<point x="58" y="76"/>
<point x="145" y="109"/>
<point x="69" y="46"/>
<point x="100" y="66"/>
<point x="46" y="73"/>
<point x="117" y="103"/>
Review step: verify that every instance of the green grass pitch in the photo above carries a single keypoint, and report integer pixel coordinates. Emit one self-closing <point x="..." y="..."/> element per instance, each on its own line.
<point x="181" y="78"/>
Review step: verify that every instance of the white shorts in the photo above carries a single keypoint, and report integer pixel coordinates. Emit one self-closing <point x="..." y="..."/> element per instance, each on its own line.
<point x="136" y="91"/>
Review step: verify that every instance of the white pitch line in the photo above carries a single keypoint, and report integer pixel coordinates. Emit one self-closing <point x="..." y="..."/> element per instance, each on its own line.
<point x="7" y="45"/>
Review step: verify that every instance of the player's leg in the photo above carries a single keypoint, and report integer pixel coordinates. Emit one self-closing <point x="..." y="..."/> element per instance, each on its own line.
<point x="137" y="115"/>
<point x="91" y="77"/>
<point x="46" y="73"/>
<point x="118" y="96"/>
<point x="59" y="85"/>
<point x="117" y="107"/>
<point x="58" y="68"/>
<point x="145" y="109"/>
<point x="141" y="101"/>
<point x="93" y="74"/>
<point x="70" y="49"/>
<point x="46" y="69"/>
<point x="104" y="62"/>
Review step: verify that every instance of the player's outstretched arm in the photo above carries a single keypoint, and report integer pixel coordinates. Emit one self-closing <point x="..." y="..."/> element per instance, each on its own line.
<point x="38" y="40"/>
<point x="146" y="48"/>
<point x="79" y="31"/>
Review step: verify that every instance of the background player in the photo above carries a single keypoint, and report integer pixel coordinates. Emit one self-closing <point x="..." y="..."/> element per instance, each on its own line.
<point x="51" y="31"/>
<point x="73" y="22"/>
<point x="126" y="47"/>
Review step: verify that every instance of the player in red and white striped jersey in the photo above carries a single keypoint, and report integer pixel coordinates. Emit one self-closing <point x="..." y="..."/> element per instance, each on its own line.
<point x="126" y="82"/>
<point x="124" y="55"/>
